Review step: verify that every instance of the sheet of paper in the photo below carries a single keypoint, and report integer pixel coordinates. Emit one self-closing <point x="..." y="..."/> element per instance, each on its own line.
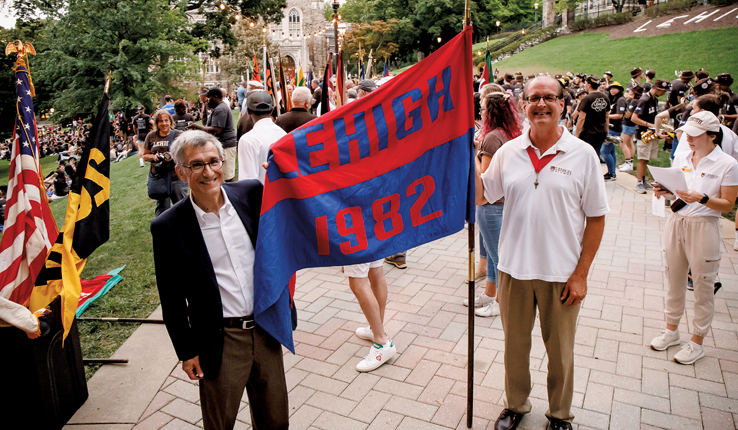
<point x="658" y="206"/>
<point x="670" y="178"/>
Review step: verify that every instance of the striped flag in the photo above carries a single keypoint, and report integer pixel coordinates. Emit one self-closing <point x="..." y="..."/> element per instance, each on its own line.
<point x="86" y="224"/>
<point x="300" y="79"/>
<point x="29" y="228"/>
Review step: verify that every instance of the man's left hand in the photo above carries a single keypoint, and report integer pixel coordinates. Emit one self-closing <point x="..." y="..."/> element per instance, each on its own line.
<point x="574" y="291"/>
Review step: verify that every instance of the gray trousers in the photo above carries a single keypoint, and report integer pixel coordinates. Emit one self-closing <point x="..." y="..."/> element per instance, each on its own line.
<point x="252" y="360"/>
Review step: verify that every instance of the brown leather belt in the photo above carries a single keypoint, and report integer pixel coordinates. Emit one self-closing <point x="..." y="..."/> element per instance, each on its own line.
<point x="245" y="323"/>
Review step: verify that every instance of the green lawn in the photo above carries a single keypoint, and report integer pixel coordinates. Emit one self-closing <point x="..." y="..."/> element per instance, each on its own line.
<point x="136" y="296"/>
<point x="595" y="53"/>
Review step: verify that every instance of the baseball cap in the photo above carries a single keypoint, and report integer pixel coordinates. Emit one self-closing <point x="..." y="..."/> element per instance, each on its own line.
<point x="687" y="74"/>
<point x="703" y="86"/>
<point x="636" y="72"/>
<point x="255" y="84"/>
<point x="724" y="78"/>
<point x="259" y="101"/>
<point x="701" y="122"/>
<point x="662" y="84"/>
<point x="367" y="85"/>
<point x="140" y="107"/>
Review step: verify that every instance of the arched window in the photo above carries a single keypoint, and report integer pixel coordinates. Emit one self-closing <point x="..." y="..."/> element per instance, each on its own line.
<point x="294" y="23"/>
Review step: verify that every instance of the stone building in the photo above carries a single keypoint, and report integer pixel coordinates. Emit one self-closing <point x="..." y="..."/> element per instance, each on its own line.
<point x="302" y="43"/>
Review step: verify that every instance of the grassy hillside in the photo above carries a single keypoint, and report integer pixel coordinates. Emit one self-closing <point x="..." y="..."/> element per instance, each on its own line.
<point x="595" y="53"/>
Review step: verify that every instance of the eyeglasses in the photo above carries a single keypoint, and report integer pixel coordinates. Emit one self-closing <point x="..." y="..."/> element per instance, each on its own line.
<point x="549" y="98"/>
<point x="198" y="166"/>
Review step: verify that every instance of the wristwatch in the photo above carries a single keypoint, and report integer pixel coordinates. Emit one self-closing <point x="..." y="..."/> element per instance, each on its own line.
<point x="705" y="199"/>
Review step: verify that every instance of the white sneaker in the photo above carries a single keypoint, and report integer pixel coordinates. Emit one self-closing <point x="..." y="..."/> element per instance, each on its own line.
<point x="640" y="189"/>
<point x="690" y="353"/>
<point x="365" y="333"/>
<point x="378" y="355"/>
<point x="480" y="300"/>
<point x="735" y="245"/>
<point x="488" y="310"/>
<point x="626" y="167"/>
<point x="665" y="340"/>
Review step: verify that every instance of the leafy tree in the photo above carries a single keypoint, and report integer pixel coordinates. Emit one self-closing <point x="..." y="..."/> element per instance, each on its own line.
<point x="217" y="25"/>
<point x="250" y="43"/>
<point x="139" y="41"/>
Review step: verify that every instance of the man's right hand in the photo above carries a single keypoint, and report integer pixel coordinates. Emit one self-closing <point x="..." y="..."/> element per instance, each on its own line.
<point x="192" y="368"/>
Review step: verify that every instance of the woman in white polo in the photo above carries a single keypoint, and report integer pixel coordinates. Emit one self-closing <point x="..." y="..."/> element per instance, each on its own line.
<point x="693" y="235"/>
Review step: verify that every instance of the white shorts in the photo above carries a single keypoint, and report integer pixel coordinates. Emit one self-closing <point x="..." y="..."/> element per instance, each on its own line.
<point x="361" y="270"/>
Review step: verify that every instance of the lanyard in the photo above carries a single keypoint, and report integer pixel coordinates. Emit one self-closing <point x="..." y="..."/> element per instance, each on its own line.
<point x="539" y="164"/>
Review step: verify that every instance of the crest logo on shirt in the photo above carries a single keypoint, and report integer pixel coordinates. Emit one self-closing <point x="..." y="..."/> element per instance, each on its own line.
<point x="599" y="105"/>
<point x="560" y="171"/>
<point x="709" y="176"/>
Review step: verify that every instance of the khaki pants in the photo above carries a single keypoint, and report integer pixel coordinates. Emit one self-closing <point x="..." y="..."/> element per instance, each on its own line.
<point x="692" y="242"/>
<point x="518" y="301"/>
<point x="252" y="359"/>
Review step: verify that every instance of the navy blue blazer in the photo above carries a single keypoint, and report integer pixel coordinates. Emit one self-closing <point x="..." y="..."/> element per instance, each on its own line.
<point x="189" y="293"/>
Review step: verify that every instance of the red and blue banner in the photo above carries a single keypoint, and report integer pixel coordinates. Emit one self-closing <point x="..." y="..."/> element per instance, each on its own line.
<point x="384" y="174"/>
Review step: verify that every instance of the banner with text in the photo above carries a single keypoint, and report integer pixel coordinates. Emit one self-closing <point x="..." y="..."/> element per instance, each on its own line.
<point x="378" y="176"/>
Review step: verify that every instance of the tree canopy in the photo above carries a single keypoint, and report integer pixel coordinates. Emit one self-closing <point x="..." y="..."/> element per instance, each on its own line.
<point x="139" y="41"/>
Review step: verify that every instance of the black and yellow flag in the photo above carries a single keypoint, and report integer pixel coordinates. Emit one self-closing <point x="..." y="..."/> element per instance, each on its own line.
<point x="86" y="224"/>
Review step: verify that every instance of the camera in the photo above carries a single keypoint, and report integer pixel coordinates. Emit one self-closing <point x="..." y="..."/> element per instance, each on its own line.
<point x="167" y="157"/>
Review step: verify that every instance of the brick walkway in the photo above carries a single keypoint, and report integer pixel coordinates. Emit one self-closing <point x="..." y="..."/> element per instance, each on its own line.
<point x="619" y="382"/>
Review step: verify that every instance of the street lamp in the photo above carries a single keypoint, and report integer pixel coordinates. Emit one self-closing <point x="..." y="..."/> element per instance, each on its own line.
<point x="535" y="21"/>
<point x="498" y="27"/>
<point x="335" y="5"/>
<point x="439" y="40"/>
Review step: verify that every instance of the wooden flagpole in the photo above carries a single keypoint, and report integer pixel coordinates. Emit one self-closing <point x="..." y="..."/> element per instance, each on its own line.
<point x="470" y="331"/>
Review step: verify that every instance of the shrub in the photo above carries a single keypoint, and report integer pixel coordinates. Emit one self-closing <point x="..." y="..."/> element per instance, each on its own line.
<point x="603" y="20"/>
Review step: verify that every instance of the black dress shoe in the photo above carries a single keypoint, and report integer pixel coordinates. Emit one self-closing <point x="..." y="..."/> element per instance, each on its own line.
<point x="508" y="420"/>
<point x="560" y="424"/>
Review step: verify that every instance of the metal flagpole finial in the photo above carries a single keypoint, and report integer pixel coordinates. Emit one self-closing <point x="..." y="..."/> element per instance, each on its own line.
<point x="22" y="49"/>
<point x="108" y="80"/>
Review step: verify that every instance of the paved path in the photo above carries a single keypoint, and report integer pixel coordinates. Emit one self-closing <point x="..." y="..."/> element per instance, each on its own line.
<point x="619" y="382"/>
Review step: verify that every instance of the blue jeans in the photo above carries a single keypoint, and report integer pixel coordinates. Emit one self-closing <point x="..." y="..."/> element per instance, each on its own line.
<point x="674" y="146"/>
<point x="482" y="250"/>
<point x="607" y="151"/>
<point x="489" y="218"/>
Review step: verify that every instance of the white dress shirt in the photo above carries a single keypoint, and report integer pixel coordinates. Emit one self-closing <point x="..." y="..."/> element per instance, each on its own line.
<point x="543" y="227"/>
<point x="253" y="149"/>
<point x="232" y="255"/>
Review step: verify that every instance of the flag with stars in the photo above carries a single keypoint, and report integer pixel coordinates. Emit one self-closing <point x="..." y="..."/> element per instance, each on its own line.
<point x="29" y="229"/>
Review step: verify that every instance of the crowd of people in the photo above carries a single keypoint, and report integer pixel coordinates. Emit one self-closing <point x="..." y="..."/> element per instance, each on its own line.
<point x="540" y="141"/>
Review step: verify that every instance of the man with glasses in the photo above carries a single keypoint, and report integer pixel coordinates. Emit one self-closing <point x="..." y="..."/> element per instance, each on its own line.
<point x="554" y="216"/>
<point x="253" y="148"/>
<point x="208" y="305"/>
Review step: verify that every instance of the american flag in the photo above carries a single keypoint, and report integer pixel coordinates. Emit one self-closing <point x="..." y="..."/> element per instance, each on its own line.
<point x="30" y="229"/>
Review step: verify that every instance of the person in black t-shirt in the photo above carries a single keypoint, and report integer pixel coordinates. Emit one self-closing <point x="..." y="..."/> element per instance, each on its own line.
<point x="181" y="118"/>
<point x="142" y="125"/>
<point x="632" y="95"/>
<point x="618" y="106"/>
<point x="644" y="117"/>
<point x="730" y="108"/>
<point x="679" y="88"/>
<point x="650" y="75"/>
<point x="592" y="124"/>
